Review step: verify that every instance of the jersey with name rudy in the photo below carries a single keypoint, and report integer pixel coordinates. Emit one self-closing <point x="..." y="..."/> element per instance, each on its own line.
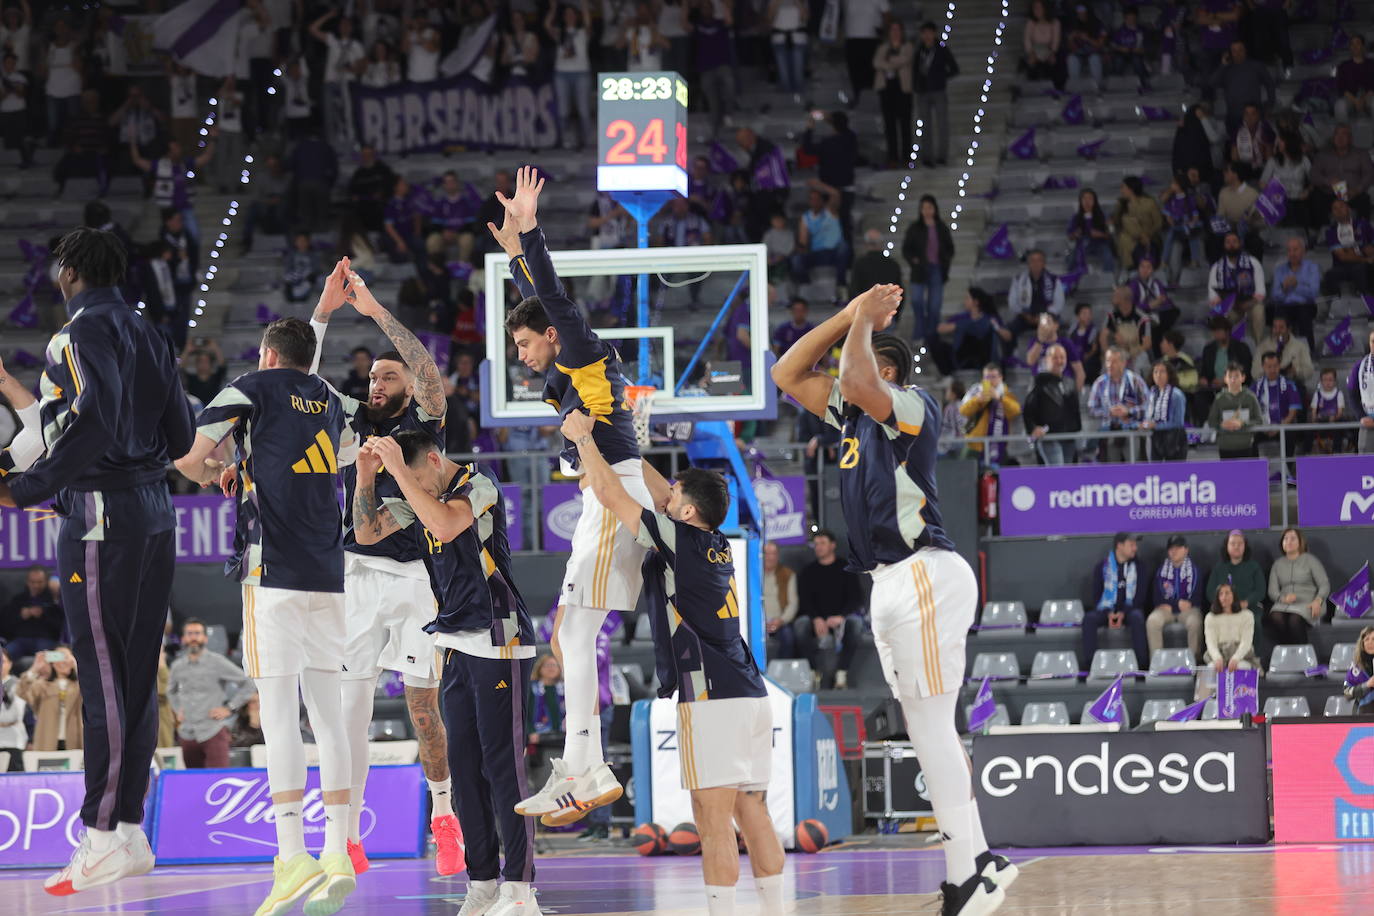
<point x="587" y="373"/>
<point x="401" y="546"/>
<point x="471" y="574"/>
<point x="689" y="584"/>
<point x="292" y="436"/>
<point x="887" y="477"/>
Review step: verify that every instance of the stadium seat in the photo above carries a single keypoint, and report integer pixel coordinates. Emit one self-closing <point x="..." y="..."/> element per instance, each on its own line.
<point x="1160" y="710"/>
<point x="793" y="674"/>
<point x="387" y="730"/>
<point x="1061" y="613"/>
<point x="999" y="717"/>
<point x="1108" y="663"/>
<point x="1339" y="706"/>
<point x="1342" y="657"/>
<point x="1085" y="717"/>
<point x="1054" y="669"/>
<point x="1209" y="709"/>
<point x="1008" y="614"/>
<point x="1170" y="659"/>
<point x="1286" y="706"/>
<point x="217" y="638"/>
<point x="995" y="665"/>
<point x="1045" y="714"/>
<point x="1288" y="664"/>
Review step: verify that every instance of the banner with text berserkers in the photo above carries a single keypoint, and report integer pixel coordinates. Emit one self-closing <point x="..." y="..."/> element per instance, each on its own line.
<point x="460" y="111"/>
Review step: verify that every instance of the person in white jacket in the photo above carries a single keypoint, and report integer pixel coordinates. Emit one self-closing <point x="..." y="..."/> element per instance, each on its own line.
<point x="14" y="737"/>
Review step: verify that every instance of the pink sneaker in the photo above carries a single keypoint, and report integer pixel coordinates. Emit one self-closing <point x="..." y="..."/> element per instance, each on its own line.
<point x="357" y="857"/>
<point x="448" y="837"/>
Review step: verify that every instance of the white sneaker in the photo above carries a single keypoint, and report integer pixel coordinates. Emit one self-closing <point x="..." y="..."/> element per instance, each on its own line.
<point x="593" y="789"/>
<point x="511" y="903"/>
<point x="479" y="900"/>
<point x="88" y="869"/>
<point x="545" y="800"/>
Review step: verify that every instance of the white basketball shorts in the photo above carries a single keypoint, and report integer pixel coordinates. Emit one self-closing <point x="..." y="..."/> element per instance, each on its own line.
<point x="604" y="566"/>
<point x="725" y="744"/>
<point x="285" y="631"/>
<point x="385" y="612"/>
<point x="921" y="609"/>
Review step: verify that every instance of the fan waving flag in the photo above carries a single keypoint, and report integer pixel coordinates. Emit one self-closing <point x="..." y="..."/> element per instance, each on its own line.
<point x="1108" y="707"/>
<point x="1353" y="600"/>
<point x="1340" y="339"/>
<point x="1023" y="147"/>
<point x="999" y="246"/>
<point x="202" y="34"/>
<point x="1272" y="202"/>
<point x="771" y="172"/>
<point x="722" y="163"/>
<point x="1223" y="306"/>
<point x="983" y="709"/>
<point x="1238" y="332"/>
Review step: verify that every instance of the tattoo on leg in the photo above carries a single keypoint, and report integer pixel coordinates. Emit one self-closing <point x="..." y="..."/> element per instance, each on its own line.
<point x="423" y="704"/>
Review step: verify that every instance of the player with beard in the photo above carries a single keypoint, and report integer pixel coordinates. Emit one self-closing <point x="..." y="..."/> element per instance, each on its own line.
<point x="386" y="588"/>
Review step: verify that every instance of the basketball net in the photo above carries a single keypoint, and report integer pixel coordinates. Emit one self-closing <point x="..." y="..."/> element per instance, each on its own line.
<point x="641" y="398"/>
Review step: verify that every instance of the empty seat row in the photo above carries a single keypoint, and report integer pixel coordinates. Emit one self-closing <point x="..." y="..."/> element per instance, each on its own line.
<point x="1107" y="664"/>
<point x="1058" y="612"/>
<point x="1057" y="713"/>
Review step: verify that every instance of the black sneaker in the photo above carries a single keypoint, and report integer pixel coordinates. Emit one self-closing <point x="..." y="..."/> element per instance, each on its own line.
<point x="977" y="896"/>
<point x="998" y="869"/>
<point x="594" y="833"/>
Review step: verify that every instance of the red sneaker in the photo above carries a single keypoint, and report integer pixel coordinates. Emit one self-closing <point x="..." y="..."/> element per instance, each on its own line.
<point x="357" y="857"/>
<point x="448" y="837"/>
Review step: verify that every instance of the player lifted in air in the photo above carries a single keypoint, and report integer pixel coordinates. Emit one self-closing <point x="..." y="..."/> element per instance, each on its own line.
<point x="603" y="573"/>
<point x="484" y="632"/>
<point x="292" y="434"/>
<point x="387" y="599"/>
<point x="924" y="594"/>
<point x="725" y="723"/>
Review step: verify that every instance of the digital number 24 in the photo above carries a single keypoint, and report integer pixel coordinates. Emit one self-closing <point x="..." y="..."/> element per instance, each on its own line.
<point x="650" y="144"/>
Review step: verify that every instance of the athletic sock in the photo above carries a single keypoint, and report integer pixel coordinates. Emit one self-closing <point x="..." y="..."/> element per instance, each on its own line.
<point x="125" y="831"/>
<point x="980" y="842"/>
<point x="357" y="701"/>
<point x="955" y="830"/>
<point x="577" y="630"/>
<point x="290" y="830"/>
<point x="441" y="796"/>
<point x="720" y="901"/>
<point x="944" y="763"/>
<point x="591" y="754"/>
<point x="770" y="895"/>
<point x="335" y="829"/>
<point x="101" y="840"/>
<point x="355" y="814"/>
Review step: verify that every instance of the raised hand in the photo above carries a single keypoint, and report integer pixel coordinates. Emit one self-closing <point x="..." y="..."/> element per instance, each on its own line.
<point x="361" y="298"/>
<point x="878" y="305"/>
<point x="524" y="207"/>
<point x="508" y="237"/>
<point x="369" y="461"/>
<point x="389" y="451"/>
<point x="335" y="292"/>
<point x="577" y="424"/>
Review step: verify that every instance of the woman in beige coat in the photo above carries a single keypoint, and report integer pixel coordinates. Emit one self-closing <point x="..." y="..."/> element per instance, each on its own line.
<point x="52" y="692"/>
<point x="1139" y="222"/>
<point x="892" y="82"/>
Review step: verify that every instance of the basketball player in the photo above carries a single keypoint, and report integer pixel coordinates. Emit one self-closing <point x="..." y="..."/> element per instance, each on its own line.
<point x="725" y="724"/>
<point x="485" y="634"/>
<point x="387" y="599"/>
<point x="113" y="413"/>
<point x="582" y="373"/>
<point x="924" y="593"/>
<point x="292" y="435"/>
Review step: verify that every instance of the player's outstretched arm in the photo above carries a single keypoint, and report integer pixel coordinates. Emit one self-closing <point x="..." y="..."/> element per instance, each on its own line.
<point x="658" y="486"/>
<point x="860" y="383"/>
<point x="372" y="522"/>
<point x="795" y="371"/>
<point x="27" y="447"/>
<point x="605" y="483"/>
<point x="444" y="520"/>
<point x="332" y="298"/>
<point x="429" y="383"/>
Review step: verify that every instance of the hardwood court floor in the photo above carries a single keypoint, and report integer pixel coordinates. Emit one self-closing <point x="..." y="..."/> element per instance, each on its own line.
<point x="856" y="879"/>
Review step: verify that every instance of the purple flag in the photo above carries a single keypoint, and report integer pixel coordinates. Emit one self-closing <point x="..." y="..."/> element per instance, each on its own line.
<point x="1318" y="87"/>
<point x="1155" y="113"/>
<point x="265" y="315"/>
<point x="1340" y="339"/>
<point x="25" y="314"/>
<point x="999" y="246"/>
<point x="1189" y="713"/>
<point x="984" y="708"/>
<point x="1023" y="147"/>
<point x="1059" y="183"/>
<point x="1108" y="707"/>
<point x="1369" y="304"/>
<point x="720" y="208"/>
<point x="1272" y="202"/>
<point x="1354" y="600"/>
<point x="23" y="359"/>
<point x="1238" y="332"/>
<point x="1237" y="694"/>
<point x="1316" y="55"/>
<point x="1073" y="112"/>
<point x="771" y="172"/>
<point x="1070" y="279"/>
<point x="722" y="163"/>
<point x="1224" y="306"/>
<point x="1090" y="150"/>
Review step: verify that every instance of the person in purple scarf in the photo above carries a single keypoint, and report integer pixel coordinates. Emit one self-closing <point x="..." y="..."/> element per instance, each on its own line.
<point x="1176" y="594"/>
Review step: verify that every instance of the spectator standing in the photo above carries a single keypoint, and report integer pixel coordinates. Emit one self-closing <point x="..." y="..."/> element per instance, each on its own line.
<point x="1236" y="274"/>
<point x="1297" y="283"/>
<point x="1117" y="401"/>
<point x="873" y="266"/>
<point x="1351" y="241"/>
<point x="16" y="27"/>
<point x="1138" y="222"/>
<point x="1040" y="44"/>
<point x="1328" y="405"/>
<point x="863" y="23"/>
<point x="53" y="693"/>
<point x="1129" y="330"/>
<point x="1192" y="149"/>
<point x="1242" y="81"/>
<point x="183" y="105"/>
<point x="382" y="69"/>
<point x="713" y="58"/>
<point x="1279" y="399"/>
<point x="1343" y="172"/>
<point x="520" y="47"/>
<point x="32" y="621"/>
<point x="172" y="175"/>
<point x="780" y="603"/>
<point x="787" y="21"/>
<point x="1052" y="407"/>
<point x="1298" y="586"/>
<point x="1182" y="227"/>
<point x="1354" y="83"/>
<point x="1090" y="233"/>
<point x="203" y="369"/>
<point x="205" y="690"/>
<point x="1234" y="412"/>
<point x="892" y="80"/>
<point x="298" y="104"/>
<point x="1085" y="41"/>
<point x="1295" y="359"/>
<point x="14" y="736"/>
<point x="935" y="67"/>
<point x="1361" y="385"/>
<point x="929" y="251"/>
<point x="1230" y="633"/>
<point x="420" y="45"/>
<point x="988" y="409"/>
<point x="14" y="118"/>
<point x="1033" y="291"/>
<point x="828" y="618"/>
<point x="184" y="265"/>
<point x="1177" y="594"/>
<point x="643" y="44"/>
<point x="672" y="25"/>
<point x="1166" y="416"/>
<point x="230" y="142"/>
<point x="1118" y="600"/>
<point x="63" y="81"/>
<point x="345" y="61"/>
<point x="616" y="21"/>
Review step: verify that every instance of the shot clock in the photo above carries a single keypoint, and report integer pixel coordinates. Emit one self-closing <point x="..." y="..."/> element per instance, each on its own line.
<point x="642" y="126"/>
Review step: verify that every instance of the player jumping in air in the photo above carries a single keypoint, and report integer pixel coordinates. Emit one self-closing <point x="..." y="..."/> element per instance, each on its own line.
<point x="292" y="434"/>
<point x="725" y="723"/>
<point x="924" y="594"/>
<point x="485" y="634"/>
<point x="387" y="598"/>
<point x="603" y="574"/>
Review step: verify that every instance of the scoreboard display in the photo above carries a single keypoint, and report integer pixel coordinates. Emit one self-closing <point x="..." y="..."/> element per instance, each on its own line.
<point x="642" y="132"/>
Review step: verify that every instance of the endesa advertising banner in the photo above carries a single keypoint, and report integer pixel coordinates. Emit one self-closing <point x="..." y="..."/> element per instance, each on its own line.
<point x="1122" y="788"/>
<point x="1323" y="782"/>
<point x="1335" y="491"/>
